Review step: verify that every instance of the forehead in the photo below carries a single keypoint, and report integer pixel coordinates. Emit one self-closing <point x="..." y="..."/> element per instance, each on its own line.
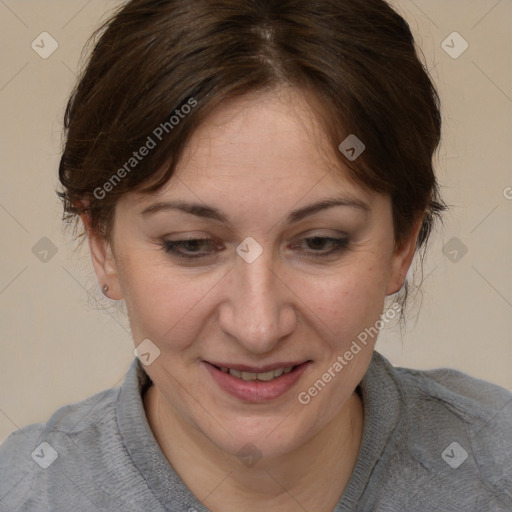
<point x="273" y="136"/>
<point x="261" y="152"/>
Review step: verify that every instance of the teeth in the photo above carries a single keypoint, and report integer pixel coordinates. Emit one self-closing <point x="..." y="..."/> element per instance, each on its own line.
<point x="263" y="376"/>
<point x="266" y="377"/>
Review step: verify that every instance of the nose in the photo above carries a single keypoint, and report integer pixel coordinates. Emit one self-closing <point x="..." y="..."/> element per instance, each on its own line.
<point x="258" y="309"/>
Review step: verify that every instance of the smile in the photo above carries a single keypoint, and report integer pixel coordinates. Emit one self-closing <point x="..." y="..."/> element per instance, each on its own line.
<point x="265" y="377"/>
<point x="252" y="384"/>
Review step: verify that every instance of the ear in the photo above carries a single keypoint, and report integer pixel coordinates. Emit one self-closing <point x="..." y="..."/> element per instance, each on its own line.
<point x="103" y="260"/>
<point x="402" y="259"/>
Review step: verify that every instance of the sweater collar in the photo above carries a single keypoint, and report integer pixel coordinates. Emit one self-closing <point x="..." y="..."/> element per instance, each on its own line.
<point x="382" y="404"/>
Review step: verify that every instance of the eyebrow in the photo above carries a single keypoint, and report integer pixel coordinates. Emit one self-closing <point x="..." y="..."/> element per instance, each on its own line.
<point x="295" y="216"/>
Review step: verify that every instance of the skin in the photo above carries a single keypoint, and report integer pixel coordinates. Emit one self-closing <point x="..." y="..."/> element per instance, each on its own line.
<point x="256" y="159"/>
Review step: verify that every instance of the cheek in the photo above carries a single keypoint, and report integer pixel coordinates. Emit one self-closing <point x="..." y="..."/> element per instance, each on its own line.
<point x="347" y="301"/>
<point x="171" y="305"/>
<point x="163" y="303"/>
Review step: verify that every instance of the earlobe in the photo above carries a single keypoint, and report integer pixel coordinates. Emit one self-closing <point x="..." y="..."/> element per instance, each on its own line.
<point x="103" y="261"/>
<point x="402" y="259"/>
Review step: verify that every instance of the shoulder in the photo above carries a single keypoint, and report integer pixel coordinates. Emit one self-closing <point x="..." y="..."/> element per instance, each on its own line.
<point x="47" y="455"/>
<point x="461" y="427"/>
<point x="86" y="416"/>
<point x="476" y="402"/>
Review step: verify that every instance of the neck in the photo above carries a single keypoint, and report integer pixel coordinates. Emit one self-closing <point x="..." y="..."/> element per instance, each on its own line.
<point x="312" y="477"/>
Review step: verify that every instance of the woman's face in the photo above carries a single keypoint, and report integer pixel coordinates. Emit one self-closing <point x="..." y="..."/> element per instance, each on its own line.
<point x="275" y="282"/>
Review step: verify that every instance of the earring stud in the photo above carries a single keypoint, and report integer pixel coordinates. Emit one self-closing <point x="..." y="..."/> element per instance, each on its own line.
<point x="105" y="288"/>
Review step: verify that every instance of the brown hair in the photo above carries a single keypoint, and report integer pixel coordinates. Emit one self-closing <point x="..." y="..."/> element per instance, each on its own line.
<point x="168" y="64"/>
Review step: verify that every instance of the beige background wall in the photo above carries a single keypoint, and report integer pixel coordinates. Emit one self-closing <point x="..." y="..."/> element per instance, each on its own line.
<point x="61" y="342"/>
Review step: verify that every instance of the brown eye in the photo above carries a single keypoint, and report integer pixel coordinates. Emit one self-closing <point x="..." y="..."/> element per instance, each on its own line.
<point x="324" y="246"/>
<point x="190" y="248"/>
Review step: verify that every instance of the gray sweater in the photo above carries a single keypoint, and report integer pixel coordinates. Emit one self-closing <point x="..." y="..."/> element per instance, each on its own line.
<point x="433" y="441"/>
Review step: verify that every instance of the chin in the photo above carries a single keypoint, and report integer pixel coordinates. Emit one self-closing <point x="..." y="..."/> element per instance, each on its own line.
<point x="259" y="438"/>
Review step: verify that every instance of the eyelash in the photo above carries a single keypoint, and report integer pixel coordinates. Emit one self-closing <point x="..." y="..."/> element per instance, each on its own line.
<point x="172" y="247"/>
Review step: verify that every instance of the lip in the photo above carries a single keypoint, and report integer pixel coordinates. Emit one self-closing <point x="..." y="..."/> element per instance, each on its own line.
<point x="254" y="390"/>
<point x="255" y="369"/>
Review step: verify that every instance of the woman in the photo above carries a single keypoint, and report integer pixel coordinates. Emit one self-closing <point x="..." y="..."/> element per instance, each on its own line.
<point x="254" y="179"/>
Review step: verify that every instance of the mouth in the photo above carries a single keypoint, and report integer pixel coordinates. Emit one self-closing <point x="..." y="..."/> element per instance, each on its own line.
<point x="261" y="376"/>
<point x="256" y="384"/>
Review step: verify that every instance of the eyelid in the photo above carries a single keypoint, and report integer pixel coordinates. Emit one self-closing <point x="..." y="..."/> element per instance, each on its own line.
<point x="338" y="245"/>
<point x="169" y="246"/>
